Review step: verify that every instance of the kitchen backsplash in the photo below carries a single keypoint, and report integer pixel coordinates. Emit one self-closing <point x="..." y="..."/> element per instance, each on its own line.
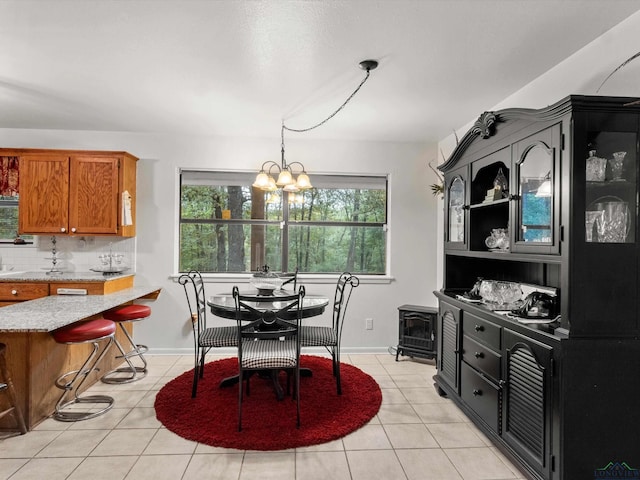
<point x="74" y="254"/>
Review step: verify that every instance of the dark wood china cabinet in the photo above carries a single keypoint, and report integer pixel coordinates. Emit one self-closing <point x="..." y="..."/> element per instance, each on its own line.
<point x="546" y="200"/>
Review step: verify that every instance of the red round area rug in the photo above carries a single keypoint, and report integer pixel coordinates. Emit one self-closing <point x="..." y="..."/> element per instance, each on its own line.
<point x="268" y="424"/>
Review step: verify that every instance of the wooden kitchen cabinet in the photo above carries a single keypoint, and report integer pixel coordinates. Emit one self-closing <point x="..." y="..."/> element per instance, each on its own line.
<point x="13" y="292"/>
<point x="93" y="288"/>
<point x="75" y="192"/>
<point x="448" y="349"/>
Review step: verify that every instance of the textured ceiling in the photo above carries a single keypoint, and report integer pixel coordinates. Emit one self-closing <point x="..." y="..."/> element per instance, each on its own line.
<point x="240" y="67"/>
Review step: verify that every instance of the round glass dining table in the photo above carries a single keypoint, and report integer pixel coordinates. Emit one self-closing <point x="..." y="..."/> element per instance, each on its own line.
<point x="223" y="305"/>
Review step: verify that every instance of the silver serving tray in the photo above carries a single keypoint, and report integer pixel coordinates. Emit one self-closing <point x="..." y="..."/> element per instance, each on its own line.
<point x="112" y="269"/>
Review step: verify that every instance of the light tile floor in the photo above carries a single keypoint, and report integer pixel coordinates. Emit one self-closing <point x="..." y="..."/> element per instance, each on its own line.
<point x="417" y="435"/>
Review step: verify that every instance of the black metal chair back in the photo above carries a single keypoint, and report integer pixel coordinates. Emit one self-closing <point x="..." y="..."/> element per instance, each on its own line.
<point x="292" y="279"/>
<point x="268" y="338"/>
<point x="331" y="337"/>
<point x="345" y="285"/>
<point x="204" y="338"/>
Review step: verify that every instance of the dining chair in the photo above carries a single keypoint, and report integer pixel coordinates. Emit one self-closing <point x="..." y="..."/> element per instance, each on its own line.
<point x="330" y="337"/>
<point x="204" y="338"/>
<point x="268" y="340"/>
<point x="291" y="278"/>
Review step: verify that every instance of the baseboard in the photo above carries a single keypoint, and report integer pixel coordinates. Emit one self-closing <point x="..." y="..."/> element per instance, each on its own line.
<point x="232" y="351"/>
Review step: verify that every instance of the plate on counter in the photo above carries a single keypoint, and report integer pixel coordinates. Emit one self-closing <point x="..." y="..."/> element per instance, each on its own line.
<point x="112" y="269"/>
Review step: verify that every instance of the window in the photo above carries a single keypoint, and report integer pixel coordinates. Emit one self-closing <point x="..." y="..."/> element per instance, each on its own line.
<point x="228" y="226"/>
<point x="9" y="221"/>
<point x="9" y="184"/>
<point x="8" y="218"/>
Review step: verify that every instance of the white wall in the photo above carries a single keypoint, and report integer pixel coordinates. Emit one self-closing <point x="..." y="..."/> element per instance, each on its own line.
<point x="73" y="254"/>
<point x="412" y="220"/>
<point x="580" y="74"/>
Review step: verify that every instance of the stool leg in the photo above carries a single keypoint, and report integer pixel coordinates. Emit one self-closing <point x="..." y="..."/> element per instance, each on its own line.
<point x="74" y="386"/>
<point x="135" y="372"/>
<point x="8" y="387"/>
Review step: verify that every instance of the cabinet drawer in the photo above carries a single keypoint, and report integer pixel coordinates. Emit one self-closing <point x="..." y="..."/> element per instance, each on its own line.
<point x="481" y="330"/>
<point x="481" y="396"/>
<point x="17" y="292"/>
<point x="95" y="288"/>
<point x="481" y="358"/>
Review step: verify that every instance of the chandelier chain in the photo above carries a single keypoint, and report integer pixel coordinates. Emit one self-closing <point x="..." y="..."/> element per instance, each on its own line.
<point x="301" y="130"/>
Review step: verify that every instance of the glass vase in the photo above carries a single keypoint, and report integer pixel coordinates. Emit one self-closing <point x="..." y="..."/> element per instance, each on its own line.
<point x="616" y="166"/>
<point x="596" y="167"/>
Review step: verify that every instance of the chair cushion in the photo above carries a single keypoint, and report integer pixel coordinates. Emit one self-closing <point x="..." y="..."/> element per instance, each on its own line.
<point x="84" y="331"/>
<point x="311" y="336"/>
<point x="219" y="337"/>
<point x="127" y="313"/>
<point x="258" y="354"/>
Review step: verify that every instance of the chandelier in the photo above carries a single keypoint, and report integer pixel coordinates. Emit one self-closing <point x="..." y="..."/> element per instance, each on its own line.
<point x="292" y="177"/>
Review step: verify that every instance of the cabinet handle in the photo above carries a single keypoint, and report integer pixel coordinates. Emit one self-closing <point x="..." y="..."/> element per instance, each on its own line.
<point x="14" y="292"/>
<point x="513" y="196"/>
<point x="477" y="392"/>
<point x="479" y="328"/>
<point x="466" y="207"/>
<point x="73" y="230"/>
<point x="62" y="229"/>
<point x="478" y="355"/>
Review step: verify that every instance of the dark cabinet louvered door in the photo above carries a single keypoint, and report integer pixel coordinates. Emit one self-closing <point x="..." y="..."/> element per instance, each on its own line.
<point x="449" y="345"/>
<point x="527" y="399"/>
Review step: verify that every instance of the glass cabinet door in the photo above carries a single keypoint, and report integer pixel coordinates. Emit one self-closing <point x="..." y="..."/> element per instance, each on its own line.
<point x="610" y="174"/>
<point x="605" y="218"/>
<point x="456" y="211"/>
<point x="536" y="180"/>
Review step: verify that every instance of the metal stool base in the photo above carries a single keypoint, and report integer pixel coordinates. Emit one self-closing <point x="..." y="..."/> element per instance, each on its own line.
<point x="135" y="372"/>
<point x="73" y="386"/>
<point x="75" y="416"/>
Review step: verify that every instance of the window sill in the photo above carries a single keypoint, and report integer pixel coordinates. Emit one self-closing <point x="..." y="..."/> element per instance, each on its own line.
<point x="302" y="278"/>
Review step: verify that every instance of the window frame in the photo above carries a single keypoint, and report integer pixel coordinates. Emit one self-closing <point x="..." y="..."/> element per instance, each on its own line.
<point x="285" y="222"/>
<point x="13" y="202"/>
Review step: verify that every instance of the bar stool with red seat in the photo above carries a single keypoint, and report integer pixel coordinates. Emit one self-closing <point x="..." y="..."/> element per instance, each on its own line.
<point x="6" y="386"/>
<point x="91" y="331"/>
<point x="121" y="315"/>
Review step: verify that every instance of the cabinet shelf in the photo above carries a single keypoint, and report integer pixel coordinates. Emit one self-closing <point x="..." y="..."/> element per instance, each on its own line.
<point x="489" y="204"/>
<point x="507" y="256"/>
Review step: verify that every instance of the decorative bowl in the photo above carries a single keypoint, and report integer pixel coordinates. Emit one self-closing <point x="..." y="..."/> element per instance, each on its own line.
<point x="266" y="283"/>
<point x="499" y="292"/>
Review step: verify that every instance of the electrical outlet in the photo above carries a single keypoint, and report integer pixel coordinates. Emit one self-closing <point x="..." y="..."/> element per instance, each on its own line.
<point x="368" y="323"/>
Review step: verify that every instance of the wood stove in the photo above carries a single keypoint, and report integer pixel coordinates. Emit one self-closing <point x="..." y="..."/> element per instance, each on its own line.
<point x="417" y="332"/>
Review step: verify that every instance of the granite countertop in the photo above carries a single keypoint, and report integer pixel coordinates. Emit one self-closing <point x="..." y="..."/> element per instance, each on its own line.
<point x="61" y="277"/>
<point x="49" y="313"/>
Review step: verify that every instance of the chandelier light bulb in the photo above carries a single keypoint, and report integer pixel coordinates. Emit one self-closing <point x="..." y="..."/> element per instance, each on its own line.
<point x="273" y="198"/>
<point x="303" y="181"/>
<point x="271" y="185"/>
<point x="262" y="180"/>
<point x="284" y="178"/>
